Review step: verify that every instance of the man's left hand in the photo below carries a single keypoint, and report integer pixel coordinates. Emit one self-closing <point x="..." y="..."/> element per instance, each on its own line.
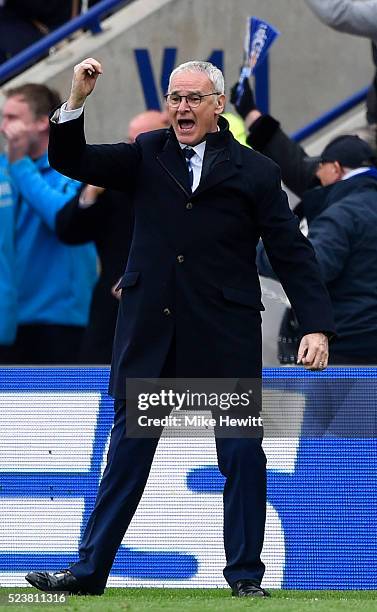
<point x="18" y="140"/>
<point x="313" y="351"/>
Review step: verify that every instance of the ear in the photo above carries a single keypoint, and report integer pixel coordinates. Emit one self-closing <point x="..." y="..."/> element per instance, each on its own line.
<point x="220" y="104"/>
<point x="43" y="123"/>
<point x="339" y="170"/>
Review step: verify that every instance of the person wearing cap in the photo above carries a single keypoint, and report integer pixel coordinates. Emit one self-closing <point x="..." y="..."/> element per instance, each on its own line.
<point x="339" y="201"/>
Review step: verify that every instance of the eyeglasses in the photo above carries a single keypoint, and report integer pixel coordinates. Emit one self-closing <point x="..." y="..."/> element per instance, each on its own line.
<point x="193" y="100"/>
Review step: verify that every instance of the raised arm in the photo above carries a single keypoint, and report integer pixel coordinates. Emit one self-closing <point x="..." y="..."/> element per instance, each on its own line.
<point x="266" y="136"/>
<point x="351" y="16"/>
<point x="113" y="166"/>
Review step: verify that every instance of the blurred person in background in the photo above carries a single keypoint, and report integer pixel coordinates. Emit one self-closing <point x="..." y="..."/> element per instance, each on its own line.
<point x="339" y="203"/>
<point x="24" y="22"/>
<point x="54" y="282"/>
<point x="357" y="17"/>
<point x="8" y="295"/>
<point x="265" y="135"/>
<point x="105" y="217"/>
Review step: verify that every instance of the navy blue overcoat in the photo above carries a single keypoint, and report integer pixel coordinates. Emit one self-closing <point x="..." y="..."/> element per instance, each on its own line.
<point x="191" y="268"/>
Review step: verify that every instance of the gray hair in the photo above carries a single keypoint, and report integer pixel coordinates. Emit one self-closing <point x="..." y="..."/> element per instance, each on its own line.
<point x="214" y="74"/>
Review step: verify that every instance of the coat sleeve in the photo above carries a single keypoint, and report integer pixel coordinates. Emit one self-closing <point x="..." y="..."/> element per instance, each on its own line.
<point x="350" y="16"/>
<point x="267" y="137"/>
<point x="331" y="236"/>
<point x="78" y="225"/>
<point x="113" y="166"/>
<point x="292" y="256"/>
<point x="75" y="225"/>
<point x="46" y="200"/>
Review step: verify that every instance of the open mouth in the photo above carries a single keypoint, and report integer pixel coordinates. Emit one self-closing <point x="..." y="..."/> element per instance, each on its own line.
<point x="186" y="125"/>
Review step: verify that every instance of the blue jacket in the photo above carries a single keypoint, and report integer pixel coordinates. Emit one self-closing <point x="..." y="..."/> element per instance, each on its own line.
<point x="54" y="281"/>
<point x="8" y="299"/>
<point x="342" y="220"/>
<point x="344" y="237"/>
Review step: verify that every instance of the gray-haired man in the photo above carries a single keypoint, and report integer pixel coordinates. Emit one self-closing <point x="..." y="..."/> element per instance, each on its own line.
<point x="191" y="303"/>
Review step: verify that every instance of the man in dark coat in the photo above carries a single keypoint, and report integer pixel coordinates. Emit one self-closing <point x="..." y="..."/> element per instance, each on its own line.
<point x="191" y="298"/>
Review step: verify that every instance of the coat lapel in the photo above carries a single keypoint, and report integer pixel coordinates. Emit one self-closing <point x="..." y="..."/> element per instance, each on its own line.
<point x="172" y="161"/>
<point x="216" y="169"/>
<point x="221" y="158"/>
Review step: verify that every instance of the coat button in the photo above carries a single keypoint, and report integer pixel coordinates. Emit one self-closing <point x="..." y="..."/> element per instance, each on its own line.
<point x="189" y="205"/>
<point x="167" y="312"/>
<point x="180" y="259"/>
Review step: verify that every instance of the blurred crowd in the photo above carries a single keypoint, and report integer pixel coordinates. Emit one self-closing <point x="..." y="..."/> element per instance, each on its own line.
<point x="64" y="245"/>
<point x="24" y="22"/>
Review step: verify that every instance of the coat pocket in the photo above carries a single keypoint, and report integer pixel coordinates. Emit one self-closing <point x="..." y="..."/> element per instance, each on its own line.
<point x="242" y="296"/>
<point x="129" y="279"/>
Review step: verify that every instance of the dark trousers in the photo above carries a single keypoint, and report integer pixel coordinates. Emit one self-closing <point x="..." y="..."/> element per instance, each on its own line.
<point x="241" y="461"/>
<point x="44" y="345"/>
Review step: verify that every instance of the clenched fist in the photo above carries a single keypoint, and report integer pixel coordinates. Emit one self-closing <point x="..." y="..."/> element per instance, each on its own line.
<point x="19" y="137"/>
<point x="85" y="75"/>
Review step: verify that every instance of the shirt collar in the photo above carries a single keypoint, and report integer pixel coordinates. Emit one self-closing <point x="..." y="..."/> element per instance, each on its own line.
<point x="199" y="149"/>
<point x="354" y="172"/>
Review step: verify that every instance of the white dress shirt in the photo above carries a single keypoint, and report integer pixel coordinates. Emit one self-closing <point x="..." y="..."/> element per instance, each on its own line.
<point x="196" y="162"/>
<point x="355" y="172"/>
<point x="62" y="115"/>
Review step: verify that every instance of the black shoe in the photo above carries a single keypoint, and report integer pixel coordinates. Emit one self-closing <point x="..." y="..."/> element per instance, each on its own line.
<point x="57" y="581"/>
<point x="248" y="588"/>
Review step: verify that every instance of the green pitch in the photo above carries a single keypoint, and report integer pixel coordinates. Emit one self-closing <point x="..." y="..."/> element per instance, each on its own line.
<point x="198" y="600"/>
